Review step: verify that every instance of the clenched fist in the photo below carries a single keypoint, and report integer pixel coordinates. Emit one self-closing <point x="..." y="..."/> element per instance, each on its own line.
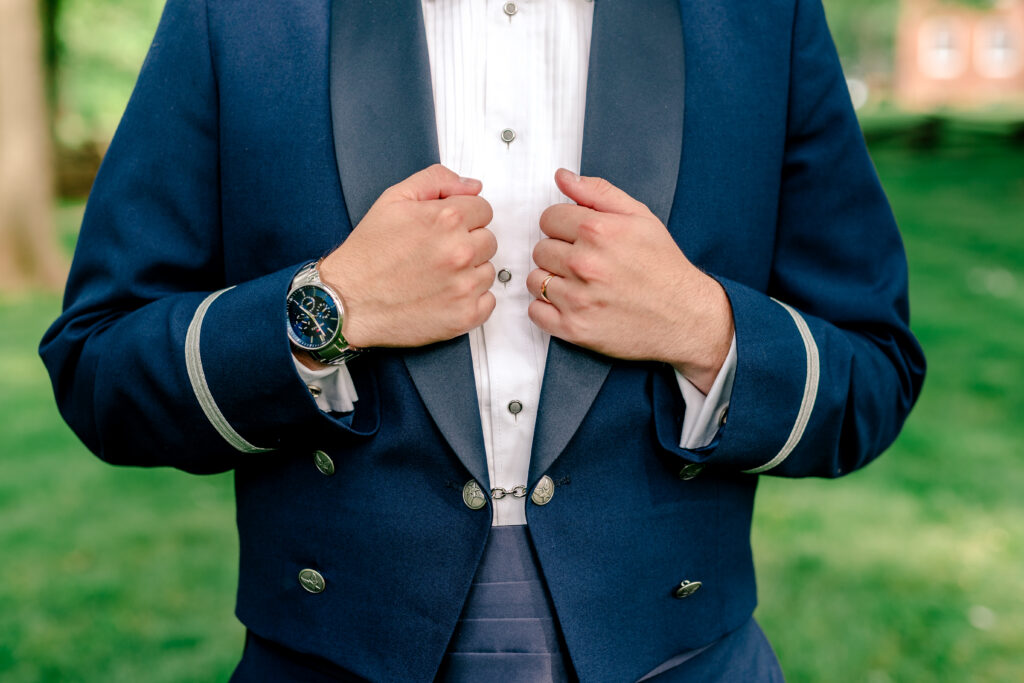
<point x="416" y="270"/>
<point x="614" y="281"/>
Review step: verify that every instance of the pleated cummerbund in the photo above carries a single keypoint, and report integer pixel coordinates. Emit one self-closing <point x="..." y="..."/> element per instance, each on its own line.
<point x="507" y="631"/>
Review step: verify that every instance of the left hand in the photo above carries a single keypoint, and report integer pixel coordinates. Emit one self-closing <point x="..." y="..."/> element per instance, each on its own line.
<point x="622" y="287"/>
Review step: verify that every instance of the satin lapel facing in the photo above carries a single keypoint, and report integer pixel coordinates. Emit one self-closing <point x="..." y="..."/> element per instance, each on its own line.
<point x="632" y="136"/>
<point x="382" y="110"/>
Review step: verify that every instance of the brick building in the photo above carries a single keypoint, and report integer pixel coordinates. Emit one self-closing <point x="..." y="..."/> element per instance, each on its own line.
<point x="949" y="55"/>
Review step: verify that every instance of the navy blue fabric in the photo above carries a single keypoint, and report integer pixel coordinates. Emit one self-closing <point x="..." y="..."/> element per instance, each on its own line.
<point x="223" y="173"/>
<point x="743" y="655"/>
<point x="264" y="661"/>
<point x="507" y="630"/>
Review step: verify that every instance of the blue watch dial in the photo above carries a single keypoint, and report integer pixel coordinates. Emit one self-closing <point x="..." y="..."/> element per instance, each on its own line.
<point x="313" y="317"/>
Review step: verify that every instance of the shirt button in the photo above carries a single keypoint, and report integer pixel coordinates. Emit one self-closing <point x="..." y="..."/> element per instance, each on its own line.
<point x="510" y="8"/>
<point x="504" y="275"/>
<point x="508" y="135"/>
<point x="515" y="407"/>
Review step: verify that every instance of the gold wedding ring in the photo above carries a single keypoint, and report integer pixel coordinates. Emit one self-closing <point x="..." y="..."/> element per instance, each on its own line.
<point x="544" y="287"/>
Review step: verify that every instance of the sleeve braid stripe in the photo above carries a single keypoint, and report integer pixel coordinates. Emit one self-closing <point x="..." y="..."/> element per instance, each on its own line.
<point x="813" y="375"/>
<point x="194" y="365"/>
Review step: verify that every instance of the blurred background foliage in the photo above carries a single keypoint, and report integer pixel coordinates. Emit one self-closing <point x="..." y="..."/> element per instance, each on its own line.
<point x="907" y="571"/>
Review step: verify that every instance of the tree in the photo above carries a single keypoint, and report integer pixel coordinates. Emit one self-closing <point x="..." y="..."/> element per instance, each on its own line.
<point x="29" y="252"/>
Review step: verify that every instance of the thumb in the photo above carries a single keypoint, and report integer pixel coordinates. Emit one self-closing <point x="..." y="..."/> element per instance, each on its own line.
<point x="597" y="193"/>
<point x="433" y="182"/>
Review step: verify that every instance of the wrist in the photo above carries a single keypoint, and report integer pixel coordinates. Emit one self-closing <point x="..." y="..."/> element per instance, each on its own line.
<point x="315" y="316"/>
<point x="307" y="360"/>
<point x="706" y="336"/>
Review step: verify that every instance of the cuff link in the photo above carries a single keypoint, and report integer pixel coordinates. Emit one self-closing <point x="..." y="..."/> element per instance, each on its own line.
<point x="314" y="390"/>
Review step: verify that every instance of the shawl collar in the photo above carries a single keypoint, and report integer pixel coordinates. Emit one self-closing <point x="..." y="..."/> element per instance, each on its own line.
<point x="384" y="130"/>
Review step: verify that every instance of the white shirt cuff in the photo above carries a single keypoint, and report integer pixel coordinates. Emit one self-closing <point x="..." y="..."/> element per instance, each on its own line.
<point x="706" y="414"/>
<point x="331" y="387"/>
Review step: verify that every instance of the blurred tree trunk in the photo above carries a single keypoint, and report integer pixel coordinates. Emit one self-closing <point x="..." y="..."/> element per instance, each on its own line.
<point x="29" y="252"/>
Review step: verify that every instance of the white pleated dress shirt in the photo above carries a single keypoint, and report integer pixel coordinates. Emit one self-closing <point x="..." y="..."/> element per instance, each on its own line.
<point x="510" y="82"/>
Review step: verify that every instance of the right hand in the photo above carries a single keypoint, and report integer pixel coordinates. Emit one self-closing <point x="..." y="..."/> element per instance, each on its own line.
<point x="416" y="270"/>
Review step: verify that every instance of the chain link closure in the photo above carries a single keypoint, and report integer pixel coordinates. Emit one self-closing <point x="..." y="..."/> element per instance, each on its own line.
<point x="516" y="492"/>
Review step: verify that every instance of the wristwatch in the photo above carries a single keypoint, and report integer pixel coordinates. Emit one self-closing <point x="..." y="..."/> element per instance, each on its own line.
<point x="315" y="316"/>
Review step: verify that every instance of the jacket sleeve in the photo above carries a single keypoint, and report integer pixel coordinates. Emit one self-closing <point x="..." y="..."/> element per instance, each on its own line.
<point x="156" y="359"/>
<point x="827" y="366"/>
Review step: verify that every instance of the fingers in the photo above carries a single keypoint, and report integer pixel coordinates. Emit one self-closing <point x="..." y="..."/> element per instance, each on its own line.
<point x="546" y="317"/>
<point x="465" y="211"/>
<point x="485" y="245"/>
<point x="597" y="194"/>
<point x="433" y="182"/>
<point x="485" y="277"/>
<point x="553" y="256"/>
<point x="562" y="221"/>
<point x="485" y="306"/>
<point x="541" y="284"/>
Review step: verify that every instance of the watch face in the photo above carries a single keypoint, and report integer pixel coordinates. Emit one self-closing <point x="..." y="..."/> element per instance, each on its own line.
<point x="313" y="318"/>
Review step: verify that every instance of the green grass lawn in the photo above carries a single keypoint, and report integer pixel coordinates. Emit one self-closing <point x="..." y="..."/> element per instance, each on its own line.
<point x="908" y="571"/>
<point x="913" y="569"/>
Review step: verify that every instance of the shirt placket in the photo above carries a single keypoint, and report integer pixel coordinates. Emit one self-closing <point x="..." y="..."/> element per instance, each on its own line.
<point x="514" y="384"/>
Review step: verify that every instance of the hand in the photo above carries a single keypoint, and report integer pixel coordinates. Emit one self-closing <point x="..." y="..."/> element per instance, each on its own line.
<point x="416" y="270"/>
<point x="622" y="287"/>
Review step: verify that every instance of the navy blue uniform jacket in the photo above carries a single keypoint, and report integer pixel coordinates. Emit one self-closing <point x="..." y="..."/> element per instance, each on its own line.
<point x="261" y="131"/>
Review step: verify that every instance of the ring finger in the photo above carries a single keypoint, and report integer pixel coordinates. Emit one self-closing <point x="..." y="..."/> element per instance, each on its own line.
<point x="540" y="283"/>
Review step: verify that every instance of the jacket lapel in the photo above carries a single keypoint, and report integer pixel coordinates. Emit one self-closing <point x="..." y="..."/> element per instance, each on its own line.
<point x="632" y="136"/>
<point x="382" y="111"/>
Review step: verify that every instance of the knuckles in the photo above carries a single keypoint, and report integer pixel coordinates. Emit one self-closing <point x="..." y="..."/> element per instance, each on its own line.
<point x="594" y="228"/>
<point x="583" y="266"/>
<point x="460" y="256"/>
<point x="449" y="217"/>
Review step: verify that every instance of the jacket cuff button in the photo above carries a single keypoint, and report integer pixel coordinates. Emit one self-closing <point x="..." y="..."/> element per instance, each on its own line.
<point x="687" y="588"/>
<point x="690" y="471"/>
